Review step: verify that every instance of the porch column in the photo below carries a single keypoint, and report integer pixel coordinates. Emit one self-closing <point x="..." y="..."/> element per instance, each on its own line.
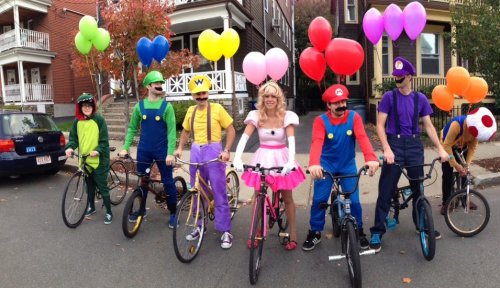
<point x="17" y="29"/>
<point x="20" y="75"/>
<point x="2" y="82"/>
<point x="453" y="40"/>
<point x="227" y="62"/>
<point x="377" y="66"/>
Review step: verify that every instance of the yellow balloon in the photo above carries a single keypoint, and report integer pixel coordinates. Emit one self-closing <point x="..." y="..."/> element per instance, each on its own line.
<point x="230" y="42"/>
<point x="209" y="45"/>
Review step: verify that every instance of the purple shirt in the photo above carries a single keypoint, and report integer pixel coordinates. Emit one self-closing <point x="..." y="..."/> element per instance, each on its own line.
<point x="405" y="111"/>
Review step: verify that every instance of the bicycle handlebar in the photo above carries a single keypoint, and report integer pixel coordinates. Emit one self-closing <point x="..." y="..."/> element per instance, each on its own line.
<point x="363" y="170"/>
<point x="197" y="164"/>
<point x="260" y="169"/>
<point x="426" y="175"/>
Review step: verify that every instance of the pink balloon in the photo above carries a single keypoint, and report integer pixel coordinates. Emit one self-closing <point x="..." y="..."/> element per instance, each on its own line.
<point x="254" y="67"/>
<point x="393" y="21"/>
<point x="414" y="18"/>
<point x="320" y="33"/>
<point x="373" y="25"/>
<point x="276" y="63"/>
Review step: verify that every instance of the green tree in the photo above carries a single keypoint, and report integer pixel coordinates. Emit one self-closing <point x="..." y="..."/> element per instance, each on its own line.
<point x="477" y="39"/>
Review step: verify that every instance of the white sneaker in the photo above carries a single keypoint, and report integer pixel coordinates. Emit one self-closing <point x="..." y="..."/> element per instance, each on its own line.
<point x="194" y="234"/>
<point x="227" y="240"/>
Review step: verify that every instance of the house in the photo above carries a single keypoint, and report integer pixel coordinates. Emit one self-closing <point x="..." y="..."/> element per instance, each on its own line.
<point x="36" y="53"/>
<point x="430" y="52"/>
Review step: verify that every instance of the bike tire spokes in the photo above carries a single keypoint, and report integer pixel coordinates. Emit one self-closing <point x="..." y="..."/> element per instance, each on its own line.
<point x="257" y="237"/>
<point x="467" y="216"/>
<point x="75" y="201"/>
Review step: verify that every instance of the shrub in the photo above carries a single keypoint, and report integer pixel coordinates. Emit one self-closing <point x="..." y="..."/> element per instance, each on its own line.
<point x="180" y="109"/>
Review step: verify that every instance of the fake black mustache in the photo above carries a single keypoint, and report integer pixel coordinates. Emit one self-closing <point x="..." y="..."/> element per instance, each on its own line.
<point x="399" y="81"/>
<point x="341" y="109"/>
<point x="201" y="99"/>
<point x="159" y="89"/>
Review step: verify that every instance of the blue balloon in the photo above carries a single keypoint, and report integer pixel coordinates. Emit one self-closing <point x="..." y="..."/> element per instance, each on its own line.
<point x="145" y="51"/>
<point x="160" y="48"/>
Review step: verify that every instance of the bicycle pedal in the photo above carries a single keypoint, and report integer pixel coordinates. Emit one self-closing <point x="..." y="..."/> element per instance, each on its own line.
<point x="284" y="235"/>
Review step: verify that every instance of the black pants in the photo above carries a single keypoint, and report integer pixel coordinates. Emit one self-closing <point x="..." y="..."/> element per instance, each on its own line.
<point x="447" y="180"/>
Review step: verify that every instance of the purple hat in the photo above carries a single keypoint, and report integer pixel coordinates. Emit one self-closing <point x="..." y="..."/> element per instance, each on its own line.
<point x="402" y="67"/>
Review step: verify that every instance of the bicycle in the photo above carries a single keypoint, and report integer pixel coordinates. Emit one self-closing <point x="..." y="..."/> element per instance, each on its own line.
<point x="192" y="214"/>
<point x="136" y="206"/>
<point x="345" y="225"/>
<point x="265" y="208"/>
<point x="75" y="197"/>
<point x="467" y="210"/>
<point x="423" y="211"/>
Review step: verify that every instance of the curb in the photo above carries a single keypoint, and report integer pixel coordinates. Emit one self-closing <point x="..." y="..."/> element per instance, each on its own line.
<point x="487" y="180"/>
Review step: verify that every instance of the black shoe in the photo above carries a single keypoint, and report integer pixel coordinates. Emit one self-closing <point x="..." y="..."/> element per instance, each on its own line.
<point x="313" y="238"/>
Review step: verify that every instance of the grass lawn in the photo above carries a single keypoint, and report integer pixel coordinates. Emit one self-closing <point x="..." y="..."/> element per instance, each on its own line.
<point x="65" y="126"/>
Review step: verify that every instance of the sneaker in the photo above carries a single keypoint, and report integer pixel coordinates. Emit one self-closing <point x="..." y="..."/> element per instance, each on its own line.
<point x="133" y="217"/>
<point x="313" y="238"/>
<point x="363" y="242"/>
<point x="108" y="219"/>
<point x="376" y="242"/>
<point x="89" y="212"/>
<point x="172" y="221"/>
<point x="195" y="234"/>
<point x="437" y="235"/>
<point x="227" y="240"/>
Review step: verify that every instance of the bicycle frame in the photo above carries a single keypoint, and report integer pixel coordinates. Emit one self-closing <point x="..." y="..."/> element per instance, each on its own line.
<point x="468" y="177"/>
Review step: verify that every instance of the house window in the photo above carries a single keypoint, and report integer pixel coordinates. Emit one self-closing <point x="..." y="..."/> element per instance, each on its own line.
<point x="385" y="55"/>
<point x="353" y="79"/>
<point x="430" y="53"/>
<point x="351" y="11"/>
<point x="204" y="63"/>
<point x="176" y="44"/>
<point x="266" y="5"/>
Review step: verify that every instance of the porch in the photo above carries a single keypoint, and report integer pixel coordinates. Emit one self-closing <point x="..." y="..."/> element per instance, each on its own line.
<point x="27" y="39"/>
<point x="34" y="94"/>
<point x="418" y="83"/>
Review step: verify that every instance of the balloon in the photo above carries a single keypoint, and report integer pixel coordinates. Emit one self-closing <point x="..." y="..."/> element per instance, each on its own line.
<point x="209" y="45"/>
<point x="478" y="89"/>
<point x="101" y="40"/>
<point x="393" y="21"/>
<point x="88" y="27"/>
<point x="276" y="63"/>
<point x="442" y="97"/>
<point x="82" y="45"/>
<point x="144" y="50"/>
<point x="160" y="48"/>
<point x="320" y="33"/>
<point x="229" y="42"/>
<point x="254" y="67"/>
<point x="457" y="80"/>
<point x="414" y="18"/>
<point x="313" y="63"/>
<point x="344" y="56"/>
<point x="373" y="25"/>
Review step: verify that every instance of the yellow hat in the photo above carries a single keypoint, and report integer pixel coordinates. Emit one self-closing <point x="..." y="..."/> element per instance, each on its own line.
<point x="199" y="83"/>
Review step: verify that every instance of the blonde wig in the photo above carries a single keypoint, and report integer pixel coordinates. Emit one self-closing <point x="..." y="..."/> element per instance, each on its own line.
<point x="271" y="88"/>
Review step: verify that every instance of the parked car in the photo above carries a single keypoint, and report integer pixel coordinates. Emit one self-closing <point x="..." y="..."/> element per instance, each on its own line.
<point x="30" y="143"/>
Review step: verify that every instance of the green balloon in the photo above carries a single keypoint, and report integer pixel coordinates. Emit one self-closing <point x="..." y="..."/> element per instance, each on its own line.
<point x="88" y="27"/>
<point x="101" y="40"/>
<point x="82" y="45"/>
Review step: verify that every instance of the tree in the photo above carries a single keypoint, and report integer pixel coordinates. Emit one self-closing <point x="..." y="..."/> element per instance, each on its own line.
<point x="477" y="39"/>
<point x="127" y="21"/>
<point x="308" y="90"/>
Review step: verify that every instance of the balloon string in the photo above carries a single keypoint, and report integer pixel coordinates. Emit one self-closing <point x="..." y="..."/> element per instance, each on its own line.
<point x="90" y="71"/>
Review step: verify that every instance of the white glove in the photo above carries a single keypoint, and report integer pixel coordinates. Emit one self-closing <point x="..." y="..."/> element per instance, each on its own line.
<point x="237" y="163"/>
<point x="287" y="168"/>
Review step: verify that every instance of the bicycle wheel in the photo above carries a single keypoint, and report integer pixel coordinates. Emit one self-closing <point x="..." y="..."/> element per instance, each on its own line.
<point x="352" y="254"/>
<point x="467" y="222"/>
<point x="335" y="214"/>
<point x="75" y="200"/>
<point x="281" y="213"/>
<point x="188" y="233"/>
<point x="181" y="186"/>
<point x="426" y="230"/>
<point x="132" y="214"/>
<point x="232" y="191"/>
<point x="117" y="182"/>
<point x="257" y="240"/>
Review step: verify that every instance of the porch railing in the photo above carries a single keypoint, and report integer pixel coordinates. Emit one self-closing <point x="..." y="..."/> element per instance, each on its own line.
<point x="28" y="39"/>
<point x="34" y="93"/>
<point x="179" y="85"/>
<point x="180" y="2"/>
<point x="420" y="83"/>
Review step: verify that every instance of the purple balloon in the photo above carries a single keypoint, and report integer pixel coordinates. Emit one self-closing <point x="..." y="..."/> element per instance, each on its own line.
<point x="373" y="25"/>
<point x="393" y="21"/>
<point x="144" y="50"/>
<point x="414" y="18"/>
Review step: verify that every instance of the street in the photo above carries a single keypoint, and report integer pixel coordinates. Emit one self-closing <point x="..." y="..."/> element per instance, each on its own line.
<point x="38" y="250"/>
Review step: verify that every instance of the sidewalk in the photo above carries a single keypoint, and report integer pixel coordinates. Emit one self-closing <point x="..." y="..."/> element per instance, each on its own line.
<point x="368" y="185"/>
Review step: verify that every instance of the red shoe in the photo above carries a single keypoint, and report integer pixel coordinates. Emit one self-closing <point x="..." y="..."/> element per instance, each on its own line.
<point x="291" y="245"/>
<point x="255" y="242"/>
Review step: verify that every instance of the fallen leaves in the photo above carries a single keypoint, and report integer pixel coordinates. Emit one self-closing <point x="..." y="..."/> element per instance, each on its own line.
<point x="406" y="280"/>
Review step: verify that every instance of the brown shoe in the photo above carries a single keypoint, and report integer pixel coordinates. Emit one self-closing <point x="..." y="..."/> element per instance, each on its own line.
<point x="472" y="206"/>
<point x="443" y="210"/>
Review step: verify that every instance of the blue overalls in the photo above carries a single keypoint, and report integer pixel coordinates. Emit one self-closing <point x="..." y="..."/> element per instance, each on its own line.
<point x="338" y="156"/>
<point x="408" y="150"/>
<point x="153" y="145"/>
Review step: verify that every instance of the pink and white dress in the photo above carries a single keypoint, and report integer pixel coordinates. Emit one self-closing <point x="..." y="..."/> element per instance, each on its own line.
<point x="273" y="152"/>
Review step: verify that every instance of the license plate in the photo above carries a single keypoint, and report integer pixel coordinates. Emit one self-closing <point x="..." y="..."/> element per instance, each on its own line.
<point x="30" y="149"/>
<point x="41" y="160"/>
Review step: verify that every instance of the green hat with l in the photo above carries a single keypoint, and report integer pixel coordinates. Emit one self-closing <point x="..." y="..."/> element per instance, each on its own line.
<point x="152" y="77"/>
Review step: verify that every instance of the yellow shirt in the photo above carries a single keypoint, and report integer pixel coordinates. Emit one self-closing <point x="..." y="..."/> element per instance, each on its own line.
<point x="220" y="119"/>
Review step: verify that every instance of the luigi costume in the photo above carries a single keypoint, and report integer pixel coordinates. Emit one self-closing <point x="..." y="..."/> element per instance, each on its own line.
<point x="156" y="119"/>
<point x="88" y="134"/>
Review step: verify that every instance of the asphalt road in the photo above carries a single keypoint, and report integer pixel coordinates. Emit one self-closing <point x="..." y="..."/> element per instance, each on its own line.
<point x="38" y="250"/>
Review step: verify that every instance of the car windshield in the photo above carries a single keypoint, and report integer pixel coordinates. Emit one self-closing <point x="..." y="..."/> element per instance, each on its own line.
<point x="24" y="124"/>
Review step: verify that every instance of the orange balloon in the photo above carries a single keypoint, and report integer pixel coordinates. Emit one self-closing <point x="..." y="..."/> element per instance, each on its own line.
<point x="477" y="91"/>
<point x="457" y="79"/>
<point x="442" y="97"/>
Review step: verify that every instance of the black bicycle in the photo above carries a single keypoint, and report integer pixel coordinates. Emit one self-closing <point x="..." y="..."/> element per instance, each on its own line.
<point x="423" y="211"/>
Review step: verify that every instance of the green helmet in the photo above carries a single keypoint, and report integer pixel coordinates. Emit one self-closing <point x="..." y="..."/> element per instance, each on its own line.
<point x="152" y="77"/>
<point x="86" y="97"/>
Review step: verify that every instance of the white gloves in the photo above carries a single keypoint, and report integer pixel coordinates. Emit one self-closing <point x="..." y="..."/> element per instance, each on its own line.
<point x="288" y="167"/>
<point x="237" y="163"/>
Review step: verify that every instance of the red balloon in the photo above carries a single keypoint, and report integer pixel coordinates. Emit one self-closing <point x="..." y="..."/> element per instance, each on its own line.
<point x="344" y="56"/>
<point x="320" y="33"/>
<point x="313" y="63"/>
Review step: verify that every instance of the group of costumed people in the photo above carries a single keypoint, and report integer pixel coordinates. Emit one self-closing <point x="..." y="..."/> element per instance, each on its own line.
<point x="334" y="137"/>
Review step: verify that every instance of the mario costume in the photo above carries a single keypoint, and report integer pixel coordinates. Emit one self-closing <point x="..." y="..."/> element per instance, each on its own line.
<point x="333" y="148"/>
<point x="205" y="126"/>
<point x="156" y="120"/>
